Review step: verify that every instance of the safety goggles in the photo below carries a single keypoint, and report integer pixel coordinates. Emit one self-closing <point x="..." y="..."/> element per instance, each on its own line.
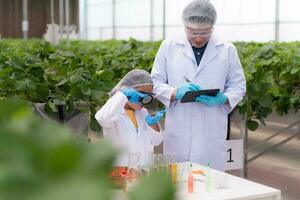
<point x="147" y="99"/>
<point x="194" y="34"/>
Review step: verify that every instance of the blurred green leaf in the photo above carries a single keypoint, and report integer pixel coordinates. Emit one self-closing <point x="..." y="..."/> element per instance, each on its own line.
<point x="44" y="160"/>
<point x="150" y="188"/>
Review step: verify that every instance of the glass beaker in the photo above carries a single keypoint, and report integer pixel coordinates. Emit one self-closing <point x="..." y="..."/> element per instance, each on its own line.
<point x="153" y="162"/>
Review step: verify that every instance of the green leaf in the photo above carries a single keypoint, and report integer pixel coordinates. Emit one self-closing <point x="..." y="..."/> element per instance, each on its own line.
<point x="105" y="74"/>
<point x="98" y="94"/>
<point x="67" y="53"/>
<point x="76" y="78"/>
<point x="86" y="91"/>
<point x="59" y="101"/>
<point x="71" y="155"/>
<point x="15" y="62"/>
<point x="295" y="69"/>
<point x="62" y="82"/>
<point x="252" y="125"/>
<point x="21" y="85"/>
<point x="157" y="186"/>
<point x="52" y="106"/>
<point x="25" y="84"/>
<point x="70" y="105"/>
<point x="43" y="92"/>
<point x="265" y="101"/>
<point x="95" y="125"/>
<point x="275" y="90"/>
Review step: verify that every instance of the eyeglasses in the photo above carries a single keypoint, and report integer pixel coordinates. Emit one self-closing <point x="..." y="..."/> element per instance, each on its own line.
<point x="194" y="34"/>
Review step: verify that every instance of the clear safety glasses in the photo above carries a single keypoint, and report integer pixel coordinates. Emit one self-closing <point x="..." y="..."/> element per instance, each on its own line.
<point x="193" y="34"/>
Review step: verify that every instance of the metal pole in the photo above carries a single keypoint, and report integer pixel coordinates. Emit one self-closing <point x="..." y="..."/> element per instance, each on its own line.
<point x="85" y="26"/>
<point x="52" y="11"/>
<point x="245" y="168"/>
<point x="67" y="17"/>
<point x="113" y="19"/>
<point x="83" y="19"/>
<point x="277" y="9"/>
<point x="61" y="115"/>
<point x="298" y="128"/>
<point x="53" y="38"/>
<point x="61" y="17"/>
<point x="25" y="23"/>
<point x="244" y="135"/>
<point x="151" y="21"/>
<point x="228" y="126"/>
<point x="164" y="20"/>
<point x="101" y="33"/>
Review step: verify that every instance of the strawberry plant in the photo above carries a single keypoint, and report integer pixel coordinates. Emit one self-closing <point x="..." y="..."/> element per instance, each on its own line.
<point x="79" y="74"/>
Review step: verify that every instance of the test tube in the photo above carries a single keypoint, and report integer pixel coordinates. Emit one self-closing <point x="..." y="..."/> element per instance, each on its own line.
<point x="170" y="163"/>
<point x="208" y="179"/>
<point x="160" y="161"/>
<point x="153" y="162"/>
<point x="174" y="169"/>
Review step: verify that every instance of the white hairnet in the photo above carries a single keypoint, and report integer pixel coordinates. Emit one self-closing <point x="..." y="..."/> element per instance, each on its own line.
<point x="133" y="79"/>
<point x="199" y="12"/>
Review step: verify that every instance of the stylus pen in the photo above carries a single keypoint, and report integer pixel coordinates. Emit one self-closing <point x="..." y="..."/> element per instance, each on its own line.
<point x="187" y="80"/>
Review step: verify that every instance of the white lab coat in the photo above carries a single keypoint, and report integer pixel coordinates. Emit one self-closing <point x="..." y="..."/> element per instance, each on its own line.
<point x="120" y="131"/>
<point x="194" y="131"/>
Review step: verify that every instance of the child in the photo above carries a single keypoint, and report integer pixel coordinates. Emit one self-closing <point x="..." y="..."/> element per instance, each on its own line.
<point x="126" y="123"/>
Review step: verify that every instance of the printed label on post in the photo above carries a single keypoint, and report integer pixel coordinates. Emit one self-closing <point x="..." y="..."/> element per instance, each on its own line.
<point x="234" y="154"/>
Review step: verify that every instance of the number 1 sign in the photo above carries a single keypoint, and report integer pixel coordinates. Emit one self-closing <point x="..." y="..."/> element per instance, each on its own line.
<point x="234" y="154"/>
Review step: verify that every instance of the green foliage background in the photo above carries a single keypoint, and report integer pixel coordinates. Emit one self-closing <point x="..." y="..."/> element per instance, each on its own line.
<point x="79" y="74"/>
<point x="42" y="160"/>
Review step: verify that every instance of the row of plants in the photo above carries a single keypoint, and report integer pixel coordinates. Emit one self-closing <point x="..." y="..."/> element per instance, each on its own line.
<point x="79" y="74"/>
<point x="273" y="79"/>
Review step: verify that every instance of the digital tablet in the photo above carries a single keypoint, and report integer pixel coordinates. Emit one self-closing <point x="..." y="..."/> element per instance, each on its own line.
<point x="191" y="96"/>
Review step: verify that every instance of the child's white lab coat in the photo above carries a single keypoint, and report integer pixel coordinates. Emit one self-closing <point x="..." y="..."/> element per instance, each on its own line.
<point x="120" y="131"/>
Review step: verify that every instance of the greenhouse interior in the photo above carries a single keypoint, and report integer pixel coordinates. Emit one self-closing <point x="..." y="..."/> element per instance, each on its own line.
<point x="150" y="99"/>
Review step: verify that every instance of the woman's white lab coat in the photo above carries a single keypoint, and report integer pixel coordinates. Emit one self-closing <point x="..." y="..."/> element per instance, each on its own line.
<point x="120" y="131"/>
<point x="194" y="131"/>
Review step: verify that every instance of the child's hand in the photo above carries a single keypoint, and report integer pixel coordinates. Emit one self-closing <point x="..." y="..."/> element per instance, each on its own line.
<point x="133" y="95"/>
<point x="153" y="119"/>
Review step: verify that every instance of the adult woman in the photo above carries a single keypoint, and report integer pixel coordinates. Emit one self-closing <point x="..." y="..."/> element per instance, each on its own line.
<point x="197" y="131"/>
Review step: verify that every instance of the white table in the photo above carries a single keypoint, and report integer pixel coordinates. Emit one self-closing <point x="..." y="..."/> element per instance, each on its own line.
<point x="238" y="188"/>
